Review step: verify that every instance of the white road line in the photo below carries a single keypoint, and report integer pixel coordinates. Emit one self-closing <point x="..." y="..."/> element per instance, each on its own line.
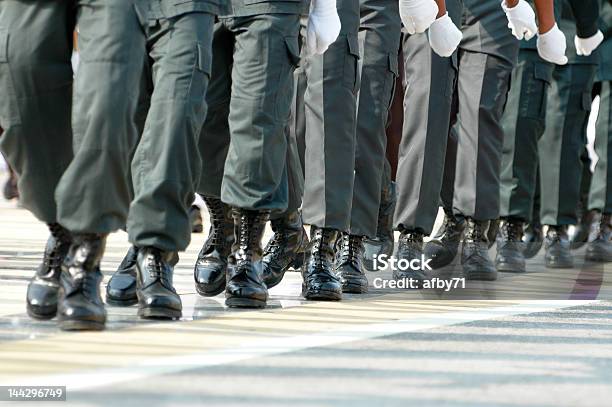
<point x="263" y="347"/>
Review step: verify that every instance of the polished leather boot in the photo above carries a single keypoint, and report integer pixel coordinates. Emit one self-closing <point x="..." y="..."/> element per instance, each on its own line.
<point x="44" y="286"/>
<point x="409" y="247"/>
<point x="80" y="304"/>
<point x="475" y="254"/>
<point x="245" y="287"/>
<point x="557" y="246"/>
<point x="157" y="298"/>
<point x="121" y="288"/>
<point x="349" y="264"/>
<point x="510" y="247"/>
<point x="600" y="249"/>
<point x="533" y="238"/>
<point x="195" y="217"/>
<point x="286" y="248"/>
<point x="443" y="248"/>
<point x="383" y="242"/>
<point x="319" y="280"/>
<point x="587" y="225"/>
<point x="211" y="267"/>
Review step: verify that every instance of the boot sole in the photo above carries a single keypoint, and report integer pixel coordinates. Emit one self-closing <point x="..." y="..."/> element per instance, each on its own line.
<point x="159" y="313"/>
<point x="40" y="314"/>
<point x="236" y="302"/>
<point x="70" y="325"/>
<point x="350" y="288"/>
<point x="559" y="266"/>
<point x="323" y="295"/>
<point x="121" y="303"/>
<point x="210" y="293"/>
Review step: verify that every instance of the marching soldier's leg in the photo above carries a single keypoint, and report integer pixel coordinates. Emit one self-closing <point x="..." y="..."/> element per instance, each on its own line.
<point x="167" y="164"/>
<point x="36" y="89"/>
<point x="601" y="184"/>
<point x="286" y="249"/>
<point x="523" y="123"/>
<point x="121" y="288"/>
<point x="560" y="149"/>
<point x="211" y="265"/>
<point x="255" y="180"/>
<point x="331" y="110"/>
<point x="379" y="36"/>
<point x="430" y="81"/>
<point x="482" y="89"/>
<point x="93" y="195"/>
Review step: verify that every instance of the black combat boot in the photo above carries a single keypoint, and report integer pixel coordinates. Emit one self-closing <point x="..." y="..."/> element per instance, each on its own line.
<point x="557" y="246"/>
<point x="286" y="248"/>
<point x="195" y="217"/>
<point x="10" y="190"/>
<point x="121" y="288"/>
<point x="44" y="286"/>
<point x="245" y="285"/>
<point x="80" y="304"/>
<point x="211" y="266"/>
<point x="600" y="249"/>
<point x="349" y="264"/>
<point x="582" y="231"/>
<point x="443" y="248"/>
<point x="410" y="247"/>
<point x="510" y="246"/>
<point x="533" y="238"/>
<point x="475" y="254"/>
<point x="157" y="298"/>
<point x="319" y="280"/>
<point x="383" y="242"/>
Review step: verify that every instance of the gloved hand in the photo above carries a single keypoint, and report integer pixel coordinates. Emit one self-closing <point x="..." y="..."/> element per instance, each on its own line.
<point x="584" y="46"/>
<point x="417" y="15"/>
<point x="323" y="26"/>
<point x="551" y="46"/>
<point x="444" y="36"/>
<point x="521" y="20"/>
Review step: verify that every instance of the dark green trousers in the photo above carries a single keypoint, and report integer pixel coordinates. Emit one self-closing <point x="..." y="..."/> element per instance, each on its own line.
<point x="36" y="97"/>
<point x="330" y="102"/>
<point x="600" y="196"/>
<point x="561" y="145"/>
<point x="523" y="123"/>
<point x="244" y="139"/>
<point x="379" y="42"/>
<point x="93" y="195"/>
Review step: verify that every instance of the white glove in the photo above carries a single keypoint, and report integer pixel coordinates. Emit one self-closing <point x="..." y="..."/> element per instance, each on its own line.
<point x="521" y="20"/>
<point x="444" y="36"/>
<point x="417" y="15"/>
<point x="551" y="46"/>
<point x="323" y="26"/>
<point x="584" y="46"/>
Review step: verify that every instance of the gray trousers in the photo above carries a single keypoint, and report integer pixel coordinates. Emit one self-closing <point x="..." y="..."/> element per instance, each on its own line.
<point x="36" y="97"/>
<point x="244" y="139"/>
<point x="523" y="122"/>
<point x="562" y="144"/>
<point x="330" y="119"/>
<point x="94" y="194"/>
<point x="379" y="41"/>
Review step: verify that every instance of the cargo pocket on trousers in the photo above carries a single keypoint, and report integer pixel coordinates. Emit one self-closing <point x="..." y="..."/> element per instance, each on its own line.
<point x="391" y="80"/>
<point x="199" y="82"/>
<point x="533" y="100"/>
<point x="351" y="64"/>
<point x="9" y="109"/>
<point x="587" y="101"/>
